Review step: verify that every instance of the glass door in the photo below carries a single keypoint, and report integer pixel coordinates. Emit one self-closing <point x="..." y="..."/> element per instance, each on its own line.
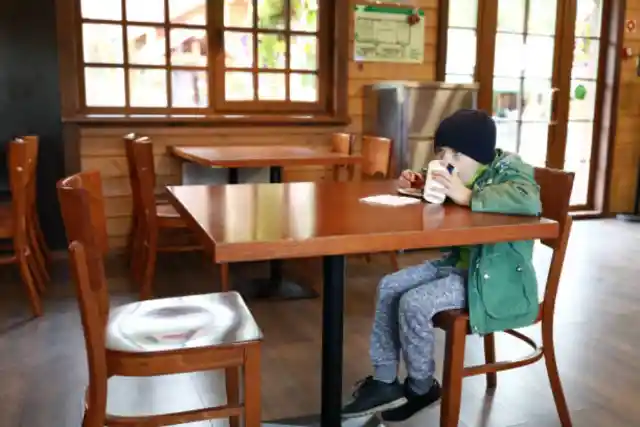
<point x="523" y="82"/>
<point x="580" y="148"/>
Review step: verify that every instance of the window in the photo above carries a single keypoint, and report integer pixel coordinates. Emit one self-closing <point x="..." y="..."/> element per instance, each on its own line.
<point x="461" y="41"/>
<point x="207" y="56"/>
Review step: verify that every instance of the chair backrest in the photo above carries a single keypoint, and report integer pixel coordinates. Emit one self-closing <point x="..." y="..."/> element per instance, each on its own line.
<point x="376" y="156"/>
<point x="82" y="207"/>
<point x="22" y="161"/>
<point x="128" y="149"/>
<point x="144" y="184"/>
<point x="342" y="143"/>
<point x="555" y="195"/>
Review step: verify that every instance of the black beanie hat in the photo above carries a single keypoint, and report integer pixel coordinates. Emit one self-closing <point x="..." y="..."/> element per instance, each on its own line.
<point x="470" y="132"/>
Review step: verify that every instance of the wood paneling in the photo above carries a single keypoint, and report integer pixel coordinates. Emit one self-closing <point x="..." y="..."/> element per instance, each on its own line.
<point x="626" y="145"/>
<point x="102" y="148"/>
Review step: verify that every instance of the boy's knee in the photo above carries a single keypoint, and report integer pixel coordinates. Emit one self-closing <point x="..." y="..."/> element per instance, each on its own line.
<point x="411" y="304"/>
<point x="387" y="285"/>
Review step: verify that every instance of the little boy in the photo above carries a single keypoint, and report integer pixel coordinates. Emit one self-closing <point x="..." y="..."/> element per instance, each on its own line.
<point x="495" y="282"/>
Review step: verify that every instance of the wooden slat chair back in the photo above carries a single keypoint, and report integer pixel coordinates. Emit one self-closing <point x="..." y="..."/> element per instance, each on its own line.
<point x="82" y="207"/>
<point x="555" y="194"/>
<point x="342" y="143"/>
<point x="376" y="157"/>
<point x="36" y="236"/>
<point x="159" y="227"/>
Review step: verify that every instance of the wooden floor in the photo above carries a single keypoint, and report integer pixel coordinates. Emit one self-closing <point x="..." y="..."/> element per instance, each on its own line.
<point x="43" y="370"/>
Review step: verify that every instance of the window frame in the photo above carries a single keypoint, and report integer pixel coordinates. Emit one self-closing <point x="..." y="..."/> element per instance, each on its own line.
<point x="332" y="73"/>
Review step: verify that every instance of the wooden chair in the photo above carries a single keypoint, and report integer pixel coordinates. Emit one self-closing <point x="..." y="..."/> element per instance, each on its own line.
<point x="160" y="200"/>
<point x="376" y="158"/>
<point x="16" y="219"/>
<point x="41" y="252"/>
<point x="555" y="190"/>
<point x="227" y="336"/>
<point x="342" y="143"/>
<point x="159" y="227"/>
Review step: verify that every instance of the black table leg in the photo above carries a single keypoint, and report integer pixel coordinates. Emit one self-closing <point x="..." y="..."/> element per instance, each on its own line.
<point x="332" y="343"/>
<point x="275" y="286"/>
<point x="232" y="178"/>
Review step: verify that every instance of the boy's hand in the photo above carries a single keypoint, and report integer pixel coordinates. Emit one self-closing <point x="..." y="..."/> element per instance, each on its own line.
<point x="410" y="179"/>
<point x="454" y="187"/>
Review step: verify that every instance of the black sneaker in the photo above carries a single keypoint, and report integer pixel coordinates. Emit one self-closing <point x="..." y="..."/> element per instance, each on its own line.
<point x="371" y="396"/>
<point x="415" y="403"/>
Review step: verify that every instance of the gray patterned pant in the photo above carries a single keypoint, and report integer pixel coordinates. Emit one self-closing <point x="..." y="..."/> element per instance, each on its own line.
<point x="407" y="301"/>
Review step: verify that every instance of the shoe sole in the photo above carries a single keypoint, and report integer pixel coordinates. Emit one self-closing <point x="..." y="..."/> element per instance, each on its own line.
<point x="435" y="404"/>
<point x="386" y="407"/>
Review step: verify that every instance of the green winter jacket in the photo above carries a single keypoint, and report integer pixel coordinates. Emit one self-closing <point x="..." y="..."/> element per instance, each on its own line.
<point x="502" y="290"/>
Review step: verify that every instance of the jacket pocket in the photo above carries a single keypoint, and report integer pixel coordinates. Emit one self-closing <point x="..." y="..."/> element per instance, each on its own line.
<point x="506" y="283"/>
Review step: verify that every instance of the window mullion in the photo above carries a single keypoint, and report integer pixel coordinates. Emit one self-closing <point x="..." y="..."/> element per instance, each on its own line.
<point x="215" y="54"/>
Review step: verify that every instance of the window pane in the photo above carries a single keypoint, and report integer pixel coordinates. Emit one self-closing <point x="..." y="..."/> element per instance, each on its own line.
<point x="458" y="79"/>
<point x="507" y="98"/>
<point x="271" y="86"/>
<point x="507" y="135"/>
<point x="509" y="55"/>
<point x="577" y="159"/>
<point x="533" y="143"/>
<point x="238" y="86"/>
<point x="585" y="59"/>
<point x="304" y="15"/>
<point x="303" y="87"/>
<point x="102" y="43"/>
<point x="461" y="51"/>
<point x="188" y="47"/>
<point x="463" y="13"/>
<point x="148" y="88"/>
<point x="582" y="101"/>
<point x="238" y="13"/>
<point x="511" y="15"/>
<point x="189" y="12"/>
<point x="588" y="18"/>
<point x="145" y="10"/>
<point x="271" y="51"/>
<point x="189" y="89"/>
<point x="271" y="14"/>
<point x="238" y="49"/>
<point x="304" y="50"/>
<point x="539" y="56"/>
<point x="104" y="87"/>
<point x="146" y="45"/>
<point x="537" y="100"/>
<point x="101" y="9"/>
<point x="542" y="17"/>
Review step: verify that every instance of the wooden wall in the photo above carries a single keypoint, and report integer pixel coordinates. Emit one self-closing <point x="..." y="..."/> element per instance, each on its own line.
<point x="102" y="148"/>
<point x="626" y="149"/>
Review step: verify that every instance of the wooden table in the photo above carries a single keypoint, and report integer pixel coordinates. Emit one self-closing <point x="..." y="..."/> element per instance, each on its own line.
<point x="327" y="219"/>
<point x="274" y="158"/>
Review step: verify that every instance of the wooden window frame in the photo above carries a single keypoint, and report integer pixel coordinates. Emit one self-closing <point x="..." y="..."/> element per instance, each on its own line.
<point x="605" y="119"/>
<point x="330" y="109"/>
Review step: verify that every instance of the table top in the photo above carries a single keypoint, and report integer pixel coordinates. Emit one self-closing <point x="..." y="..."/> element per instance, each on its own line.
<point x="262" y="156"/>
<point x="250" y="222"/>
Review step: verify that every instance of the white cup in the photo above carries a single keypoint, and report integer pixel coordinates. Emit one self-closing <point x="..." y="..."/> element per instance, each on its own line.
<point x="433" y="190"/>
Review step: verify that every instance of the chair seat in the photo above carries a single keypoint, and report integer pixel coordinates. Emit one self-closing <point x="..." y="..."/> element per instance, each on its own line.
<point x="181" y="323"/>
<point x="165" y="210"/>
<point x="444" y="320"/>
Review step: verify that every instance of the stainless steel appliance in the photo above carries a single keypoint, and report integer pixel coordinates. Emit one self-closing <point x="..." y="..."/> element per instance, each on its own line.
<point x="409" y="113"/>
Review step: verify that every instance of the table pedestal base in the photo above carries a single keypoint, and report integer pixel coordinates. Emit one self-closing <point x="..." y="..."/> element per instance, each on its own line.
<point x="314" y="421"/>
